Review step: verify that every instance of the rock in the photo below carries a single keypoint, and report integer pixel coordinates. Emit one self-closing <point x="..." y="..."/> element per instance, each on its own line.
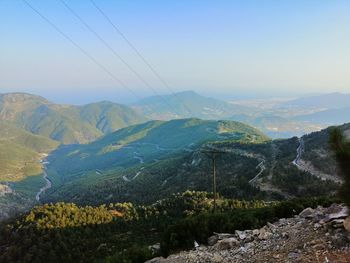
<point x="156" y="260"/>
<point x="307" y="213"/>
<point x="336" y="211"/>
<point x="337" y="223"/>
<point x="271" y="226"/>
<point x="223" y="235"/>
<point x="227" y="243"/>
<point x="255" y="232"/>
<point x="155" y="249"/>
<point x="249" y="239"/>
<point x="264" y="233"/>
<point x="293" y="255"/>
<point x="213" y="240"/>
<point x="284" y="235"/>
<point x="317" y="226"/>
<point x="346" y="224"/>
<point x="240" y="234"/>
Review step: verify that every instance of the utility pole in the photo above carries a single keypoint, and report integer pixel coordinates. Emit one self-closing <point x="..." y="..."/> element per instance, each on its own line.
<point x="212" y="155"/>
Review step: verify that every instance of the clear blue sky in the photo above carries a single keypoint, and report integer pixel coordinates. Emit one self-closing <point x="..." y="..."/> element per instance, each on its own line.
<point x="223" y="48"/>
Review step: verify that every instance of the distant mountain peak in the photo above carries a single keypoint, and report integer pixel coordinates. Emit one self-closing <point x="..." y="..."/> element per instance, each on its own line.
<point x="21" y="96"/>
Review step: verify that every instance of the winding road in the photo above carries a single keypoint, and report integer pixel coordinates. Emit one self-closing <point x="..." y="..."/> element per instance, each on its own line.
<point x="44" y="188"/>
<point x="262" y="168"/>
<point x="299" y="152"/>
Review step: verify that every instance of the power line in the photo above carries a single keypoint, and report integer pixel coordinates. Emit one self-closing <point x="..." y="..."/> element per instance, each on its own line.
<point x="94" y="60"/>
<point x="212" y="155"/>
<point x="138" y="53"/>
<point x="115" y="53"/>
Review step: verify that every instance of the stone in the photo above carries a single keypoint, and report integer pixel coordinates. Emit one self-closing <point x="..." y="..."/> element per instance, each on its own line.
<point x="293" y="255"/>
<point x="156" y="260"/>
<point x="223" y="235"/>
<point x="346" y="224"/>
<point x="307" y="213"/>
<point x="285" y="235"/>
<point x="213" y="240"/>
<point x="317" y="226"/>
<point x="255" y="232"/>
<point x="264" y="233"/>
<point x="337" y="223"/>
<point x="240" y="234"/>
<point x="227" y="243"/>
<point x="336" y="211"/>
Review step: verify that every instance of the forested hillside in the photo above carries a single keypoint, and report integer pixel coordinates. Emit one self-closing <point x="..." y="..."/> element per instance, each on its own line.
<point x="65" y="123"/>
<point x="20" y="152"/>
<point x="248" y="168"/>
<point x="123" y="232"/>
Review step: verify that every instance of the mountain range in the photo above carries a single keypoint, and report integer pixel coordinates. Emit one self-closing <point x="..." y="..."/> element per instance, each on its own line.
<point x="107" y="151"/>
<point x="67" y="124"/>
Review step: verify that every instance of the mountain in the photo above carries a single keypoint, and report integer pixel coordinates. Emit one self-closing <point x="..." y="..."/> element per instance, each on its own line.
<point x="20" y="152"/>
<point x="187" y="104"/>
<point x="327" y="117"/>
<point x="139" y="164"/>
<point x="123" y="155"/>
<point x="325" y="101"/>
<point x="65" y="123"/>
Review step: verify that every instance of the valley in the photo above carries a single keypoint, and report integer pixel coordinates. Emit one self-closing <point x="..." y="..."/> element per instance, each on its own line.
<point x="141" y="167"/>
<point x="174" y="131"/>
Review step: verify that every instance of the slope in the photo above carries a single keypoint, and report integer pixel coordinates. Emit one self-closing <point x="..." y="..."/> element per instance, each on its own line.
<point x="135" y="148"/>
<point x="20" y="152"/>
<point x="249" y="169"/>
<point x="65" y="123"/>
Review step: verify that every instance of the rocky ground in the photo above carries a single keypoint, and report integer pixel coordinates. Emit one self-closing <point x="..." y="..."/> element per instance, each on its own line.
<point x="315" y="235"/>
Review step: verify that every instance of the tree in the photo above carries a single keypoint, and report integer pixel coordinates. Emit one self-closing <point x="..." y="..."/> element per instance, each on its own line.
<point x="341" y="148"/>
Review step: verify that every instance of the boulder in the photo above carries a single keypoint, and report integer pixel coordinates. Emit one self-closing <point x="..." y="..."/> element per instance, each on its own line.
<point x="264" y="233"/>
<point x="336" y="211"/>
<point x="307" y="213"/>
<point x="227" y="243"/>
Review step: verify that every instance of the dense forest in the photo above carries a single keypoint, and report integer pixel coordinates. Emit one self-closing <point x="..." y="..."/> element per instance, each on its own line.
<point x="123" y="232"/>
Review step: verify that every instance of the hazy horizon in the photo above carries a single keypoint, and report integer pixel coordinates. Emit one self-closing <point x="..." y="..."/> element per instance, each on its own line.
<point x="226" y="49"/>
<point x="76" y="98"/>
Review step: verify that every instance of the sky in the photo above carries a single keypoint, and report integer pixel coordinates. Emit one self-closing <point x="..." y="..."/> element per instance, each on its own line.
<point x="228" y="49"/>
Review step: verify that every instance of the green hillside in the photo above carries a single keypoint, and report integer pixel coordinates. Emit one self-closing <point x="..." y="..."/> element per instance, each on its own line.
<point x="139" y="147"/>
<point x="250" y="169"/>
<point x="147" y="142"/>
<point x="20" y="152"/>
<point x="65" y="123"/>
